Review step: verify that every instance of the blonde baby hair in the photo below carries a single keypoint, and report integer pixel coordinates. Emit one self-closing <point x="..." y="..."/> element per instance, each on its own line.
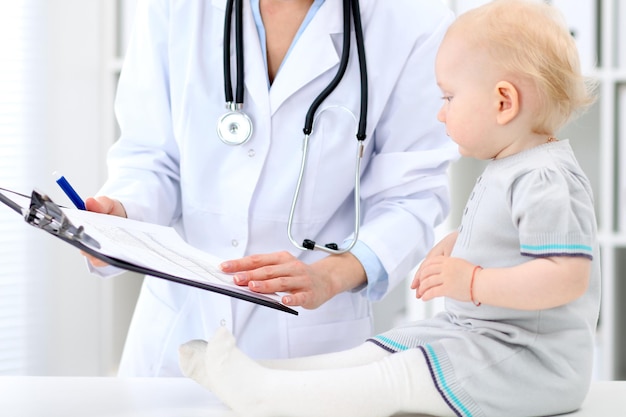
<point x="530" y="39"/>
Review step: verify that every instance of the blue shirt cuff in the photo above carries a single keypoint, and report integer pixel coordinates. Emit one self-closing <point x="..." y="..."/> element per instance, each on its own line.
<point x="377" y="277"/>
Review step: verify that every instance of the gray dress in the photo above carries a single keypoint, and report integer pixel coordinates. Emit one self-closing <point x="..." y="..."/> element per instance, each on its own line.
<point x="492" y="361"/>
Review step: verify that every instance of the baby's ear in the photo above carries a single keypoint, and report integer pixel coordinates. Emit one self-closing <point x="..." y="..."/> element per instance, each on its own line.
<point x="508" y="102"/>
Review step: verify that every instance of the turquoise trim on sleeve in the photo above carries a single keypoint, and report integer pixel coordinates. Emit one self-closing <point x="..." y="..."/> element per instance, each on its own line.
<point x="557" y="249"/>
<point x="543" y="248"/>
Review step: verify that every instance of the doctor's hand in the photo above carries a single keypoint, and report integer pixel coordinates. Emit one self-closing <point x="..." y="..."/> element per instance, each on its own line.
<point x="308" y="286"/>
<point x="443" y="276"/>
<point x="104" y="205"/>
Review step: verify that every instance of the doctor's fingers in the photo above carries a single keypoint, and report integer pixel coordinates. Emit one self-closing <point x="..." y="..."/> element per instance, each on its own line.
<point x="261" y="268"/>
<point x="253" y="262"/>
<point x="94" y="261"/>
<point x="276" y="278"/>
<point x="105" y="205"/>
<point x="304" y="287"/>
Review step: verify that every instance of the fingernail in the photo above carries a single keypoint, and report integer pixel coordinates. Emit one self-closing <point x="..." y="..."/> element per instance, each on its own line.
<point x="225" y="265"/>
<point x="286" y="300"/>
<point x="239" y="279"/>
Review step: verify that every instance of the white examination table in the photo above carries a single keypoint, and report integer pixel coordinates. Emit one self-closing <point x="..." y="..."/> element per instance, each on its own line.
<point x="180" y="397"/>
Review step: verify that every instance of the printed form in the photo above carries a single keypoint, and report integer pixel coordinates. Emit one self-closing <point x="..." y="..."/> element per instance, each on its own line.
<point x="155" y="247"/>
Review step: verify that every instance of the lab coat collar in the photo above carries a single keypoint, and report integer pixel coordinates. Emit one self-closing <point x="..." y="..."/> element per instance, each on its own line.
<point x="313" y="55"/>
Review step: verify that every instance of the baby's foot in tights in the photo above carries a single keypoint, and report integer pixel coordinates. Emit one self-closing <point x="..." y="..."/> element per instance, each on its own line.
<point x="191" y="359"/>
<point x="222" y="368"/>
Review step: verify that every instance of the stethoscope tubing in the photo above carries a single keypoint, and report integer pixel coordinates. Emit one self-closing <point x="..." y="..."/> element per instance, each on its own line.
<point x="351" y="12"/>
<point x="350" y="7"/>
<point x="360" y="45"/>
<point x="237" y="103"/>
<point x="343" y="65"/>
<point x="331" y="248"/>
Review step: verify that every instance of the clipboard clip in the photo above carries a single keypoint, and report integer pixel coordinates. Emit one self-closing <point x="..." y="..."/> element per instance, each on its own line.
<point x="44" y="214"/>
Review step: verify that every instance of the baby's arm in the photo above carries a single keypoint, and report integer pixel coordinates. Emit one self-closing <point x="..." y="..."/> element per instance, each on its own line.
<point x="537" y="284"/>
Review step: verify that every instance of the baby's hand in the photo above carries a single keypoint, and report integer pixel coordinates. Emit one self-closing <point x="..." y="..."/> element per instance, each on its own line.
<point x="443" y="276"/>
<point x="444" y="246"/>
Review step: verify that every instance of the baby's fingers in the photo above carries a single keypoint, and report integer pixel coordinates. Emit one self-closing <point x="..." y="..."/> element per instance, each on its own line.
<point x="430" y="287"/>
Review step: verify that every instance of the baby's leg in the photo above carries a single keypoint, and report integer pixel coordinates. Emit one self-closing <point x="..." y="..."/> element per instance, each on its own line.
<point x="360" y="355"/>
<point x="395" y="383"/>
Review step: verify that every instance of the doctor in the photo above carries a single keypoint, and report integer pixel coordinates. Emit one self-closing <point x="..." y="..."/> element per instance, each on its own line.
<point x="171" y="167"/>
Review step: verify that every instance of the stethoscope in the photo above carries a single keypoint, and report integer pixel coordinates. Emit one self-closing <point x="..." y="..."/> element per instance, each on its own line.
<point x="235" y="127"/>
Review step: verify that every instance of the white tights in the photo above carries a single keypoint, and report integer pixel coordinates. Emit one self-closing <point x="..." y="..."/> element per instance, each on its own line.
<point x="366" y="381"/>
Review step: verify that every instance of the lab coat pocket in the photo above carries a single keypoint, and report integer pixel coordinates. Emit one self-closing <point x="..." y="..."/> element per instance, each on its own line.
<point x="147" y="343"/>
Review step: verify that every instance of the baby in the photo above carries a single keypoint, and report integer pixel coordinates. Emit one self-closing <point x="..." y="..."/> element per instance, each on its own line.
<point x="520" y="276"/>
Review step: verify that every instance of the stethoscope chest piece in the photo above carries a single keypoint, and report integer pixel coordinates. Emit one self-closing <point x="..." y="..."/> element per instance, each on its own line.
<point x="234" y="128"/>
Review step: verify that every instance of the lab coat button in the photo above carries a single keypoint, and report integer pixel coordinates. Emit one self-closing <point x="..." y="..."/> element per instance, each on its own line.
<point x="251" y="153"/>
<point x="234" y="242"/>
<point x="223" y="322"/>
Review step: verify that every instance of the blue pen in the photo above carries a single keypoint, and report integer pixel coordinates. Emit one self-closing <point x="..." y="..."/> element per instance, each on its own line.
<point x="69" y="191"/>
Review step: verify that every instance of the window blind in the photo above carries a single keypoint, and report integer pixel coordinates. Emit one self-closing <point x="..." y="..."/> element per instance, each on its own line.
<point x="20" y="110"/>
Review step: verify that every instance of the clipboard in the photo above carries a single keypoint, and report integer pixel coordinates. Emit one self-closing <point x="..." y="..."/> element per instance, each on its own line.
<point x="181" y="263"/>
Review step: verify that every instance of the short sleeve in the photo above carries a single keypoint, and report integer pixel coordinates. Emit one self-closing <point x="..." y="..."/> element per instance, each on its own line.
<point x="553" y="210"/>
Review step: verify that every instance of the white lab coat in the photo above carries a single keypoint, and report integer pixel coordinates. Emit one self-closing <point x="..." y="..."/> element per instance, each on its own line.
<point x="169" y="165"/>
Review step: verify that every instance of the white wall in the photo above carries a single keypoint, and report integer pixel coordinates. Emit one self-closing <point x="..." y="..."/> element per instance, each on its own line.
<point x="74" y="334"/>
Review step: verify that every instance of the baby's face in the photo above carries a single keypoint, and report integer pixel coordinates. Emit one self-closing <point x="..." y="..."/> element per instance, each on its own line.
<point x="470" y="103"/>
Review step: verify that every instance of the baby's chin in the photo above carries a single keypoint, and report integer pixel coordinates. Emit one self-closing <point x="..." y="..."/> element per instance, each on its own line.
<point x="467" y="153"/>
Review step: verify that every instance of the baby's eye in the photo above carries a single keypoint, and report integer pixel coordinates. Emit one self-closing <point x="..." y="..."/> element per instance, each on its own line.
<point x="447" y="98"/>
